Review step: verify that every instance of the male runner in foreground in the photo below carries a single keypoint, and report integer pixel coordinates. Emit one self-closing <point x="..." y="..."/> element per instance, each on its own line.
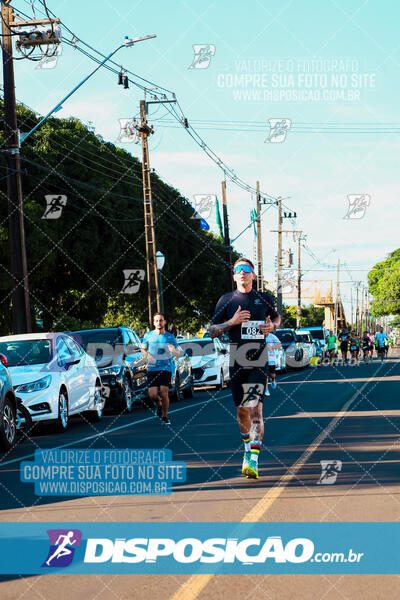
<point x="159" y="346"/>
<point x="247" y="315"/>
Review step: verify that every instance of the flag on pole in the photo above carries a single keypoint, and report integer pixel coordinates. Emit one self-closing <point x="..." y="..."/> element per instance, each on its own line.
<point x="218" y="216"/>
<point x="253" y="219"/>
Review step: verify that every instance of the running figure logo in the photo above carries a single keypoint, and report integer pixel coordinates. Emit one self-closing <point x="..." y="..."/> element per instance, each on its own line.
<point x="133" y="279"/>
<point x="49" y="61"/>
<point x="127" y="131"/>
<point x="203" y="205"/>
<point x="55" y="205"/>
<point x="358" y="204"/>
<point x="330" y="471"/>
<point x="203" y="54"/>
<point x="288" y="282"/>
<point x="278" y="129"/>
<point x="62" y="547"/>
<point x="252" y="394"/>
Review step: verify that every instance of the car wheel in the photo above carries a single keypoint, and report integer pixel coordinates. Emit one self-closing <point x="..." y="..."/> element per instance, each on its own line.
<point x="63" y="412"/>
<point x="127" y="394"/>
<point x="99" y="402"/>
<point x="221" y="384"/>
<point x="189" y="391"/>
<point x="8" y="426"/>
<point x="299" y="354"/>
<point x="176" y="393"/>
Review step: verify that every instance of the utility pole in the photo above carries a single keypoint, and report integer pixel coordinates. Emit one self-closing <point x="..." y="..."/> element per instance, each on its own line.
<point x="351" y="306"/>
<point x="357" y="313"/>
<point x="300" y="239"/>
<point x="260" y="282"/>
<point x="21" y="313"/>
<point x="298" y="318"/>
<point x="228" y="248"/>
<point x="153" y="294"/>
<point x="337" y="301"/>
<point x="362" y="327"/>
<point x="288" y="215"/>
<point x="279" y="260"/>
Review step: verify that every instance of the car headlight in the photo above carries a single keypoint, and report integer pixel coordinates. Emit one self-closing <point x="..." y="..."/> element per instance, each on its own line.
<point x="210" y="364"/>
<point x="111" y="370"/>
<point x="35" y="386"/>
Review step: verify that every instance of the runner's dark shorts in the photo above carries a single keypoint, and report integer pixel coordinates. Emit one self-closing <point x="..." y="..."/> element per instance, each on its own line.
<point x="158" y="378"/>
<point x="254" y="376"/>
<point x="271" y="369"/>
<point x="344" y="346"/>
<point x="380" y="350"/>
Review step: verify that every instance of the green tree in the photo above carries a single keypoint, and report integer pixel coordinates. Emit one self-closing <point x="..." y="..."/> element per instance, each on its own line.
<point x="289" y="316"/>
<point x="384" y="285"/>
<point x="312" y="316"/>
<point x="76" y="262"/>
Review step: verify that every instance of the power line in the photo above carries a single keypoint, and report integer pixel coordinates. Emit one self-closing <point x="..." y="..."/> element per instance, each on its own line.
<point x="228" y="172"/>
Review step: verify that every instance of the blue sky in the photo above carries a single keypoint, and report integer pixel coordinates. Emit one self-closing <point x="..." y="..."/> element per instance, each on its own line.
<point x="283" y="42"/>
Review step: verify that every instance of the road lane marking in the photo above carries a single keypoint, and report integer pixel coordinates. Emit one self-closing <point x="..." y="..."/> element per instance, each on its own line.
<point x="196" y="583"/>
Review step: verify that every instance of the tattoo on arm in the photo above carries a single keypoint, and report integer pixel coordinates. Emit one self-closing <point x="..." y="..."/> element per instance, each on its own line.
<point x="217" y="330"/>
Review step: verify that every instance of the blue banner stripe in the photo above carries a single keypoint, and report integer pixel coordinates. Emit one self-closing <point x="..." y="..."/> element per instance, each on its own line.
<point x="190" y="548"/>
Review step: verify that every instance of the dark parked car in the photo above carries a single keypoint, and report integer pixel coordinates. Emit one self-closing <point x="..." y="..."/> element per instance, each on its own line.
<point x="122" y="367"/>
<point x="8" y="407"/>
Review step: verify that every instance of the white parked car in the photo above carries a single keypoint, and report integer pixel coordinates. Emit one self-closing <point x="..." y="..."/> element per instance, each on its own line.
<point x="304" y="336"/>
<point x="53" y="377"/>
<point x="297" y="355"/>
<point x="209" y="359"/>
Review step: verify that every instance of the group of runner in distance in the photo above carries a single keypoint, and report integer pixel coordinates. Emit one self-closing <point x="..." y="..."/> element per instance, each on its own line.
<point x="354" y="344"/>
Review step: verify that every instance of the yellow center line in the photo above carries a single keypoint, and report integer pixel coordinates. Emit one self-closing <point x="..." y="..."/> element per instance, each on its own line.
<point x="191" y="589"/>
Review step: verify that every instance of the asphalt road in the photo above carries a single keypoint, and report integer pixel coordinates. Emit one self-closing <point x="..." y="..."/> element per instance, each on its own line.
<point x="350" y="415"/>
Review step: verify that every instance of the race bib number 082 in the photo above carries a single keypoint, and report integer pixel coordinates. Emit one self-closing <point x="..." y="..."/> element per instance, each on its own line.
<point x="252" y="330"/>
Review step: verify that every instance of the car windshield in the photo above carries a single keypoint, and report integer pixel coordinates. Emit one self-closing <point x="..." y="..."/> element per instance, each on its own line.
<point x="21" y="353"/>
<point x="303" y="337"/>
<point x="97" y="336"/>
<point x="286" y="337"/>
<point x="317" y="334"/>
<point x="198" y="347"/>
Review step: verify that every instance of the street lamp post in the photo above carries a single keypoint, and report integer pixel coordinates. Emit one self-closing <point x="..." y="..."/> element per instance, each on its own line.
<point x="160" y="259"/>
<point x="128" y="43"/>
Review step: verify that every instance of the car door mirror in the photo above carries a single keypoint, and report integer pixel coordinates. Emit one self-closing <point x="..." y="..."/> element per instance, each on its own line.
<point x="70" y="363"/>
<point x="99" y="354"/>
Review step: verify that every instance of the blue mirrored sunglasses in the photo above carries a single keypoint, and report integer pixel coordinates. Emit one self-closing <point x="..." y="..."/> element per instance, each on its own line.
<point x="244" y="268"/>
